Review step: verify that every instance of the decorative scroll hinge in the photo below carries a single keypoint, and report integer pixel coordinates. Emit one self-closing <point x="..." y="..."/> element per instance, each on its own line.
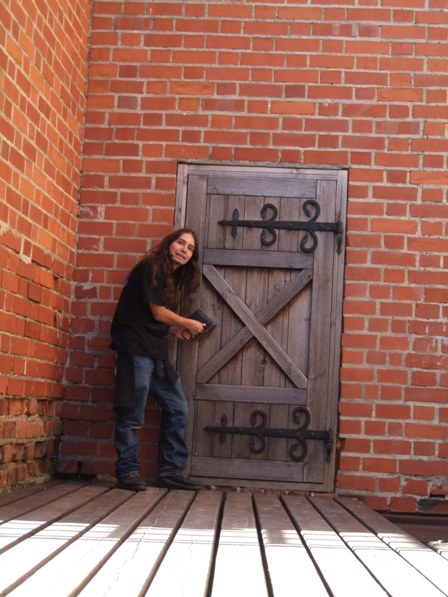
<point x="258" y="432"/>
<point x="270" y="225"/>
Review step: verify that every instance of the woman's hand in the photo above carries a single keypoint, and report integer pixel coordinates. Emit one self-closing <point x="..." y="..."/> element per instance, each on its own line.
<point x="174" y="320"/>
<point x="168" y="317"/>
<point x="194" y="327"/>
<point x="181" y="333"/>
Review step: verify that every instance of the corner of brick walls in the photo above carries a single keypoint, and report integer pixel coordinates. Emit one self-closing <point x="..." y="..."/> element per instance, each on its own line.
<point x="44" y="56"/>
<point x="227" y="83"/>
<point x="281" y="83"/>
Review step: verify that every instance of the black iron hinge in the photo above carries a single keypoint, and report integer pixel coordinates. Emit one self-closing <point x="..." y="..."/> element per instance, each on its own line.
<point x="258" y="432"/>
<point x="270" y="225"/>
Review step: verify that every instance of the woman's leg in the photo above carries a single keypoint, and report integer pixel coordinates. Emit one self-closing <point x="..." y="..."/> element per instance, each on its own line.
<point x="173" y="449"/>
<point x="130" y="415"/>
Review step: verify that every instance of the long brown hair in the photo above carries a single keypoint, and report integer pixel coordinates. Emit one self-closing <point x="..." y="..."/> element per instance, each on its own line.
<point x="185" y="278"/>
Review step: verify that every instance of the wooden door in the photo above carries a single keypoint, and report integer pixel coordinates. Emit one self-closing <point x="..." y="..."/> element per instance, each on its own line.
<point x="263" y="383"/>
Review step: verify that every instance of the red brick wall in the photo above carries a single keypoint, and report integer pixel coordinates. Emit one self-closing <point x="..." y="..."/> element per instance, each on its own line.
<point x="42" y="99"/>
<point x="358" y="84"/>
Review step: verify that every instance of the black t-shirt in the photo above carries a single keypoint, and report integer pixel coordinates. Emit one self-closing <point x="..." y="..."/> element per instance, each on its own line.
<point x="134" y="330"/>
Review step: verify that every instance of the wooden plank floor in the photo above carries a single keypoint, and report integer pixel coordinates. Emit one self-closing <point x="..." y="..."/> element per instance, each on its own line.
<point x="67" y="539"/>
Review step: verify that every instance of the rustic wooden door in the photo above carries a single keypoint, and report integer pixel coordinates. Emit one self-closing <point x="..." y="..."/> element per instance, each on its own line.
<point x="263" y="383"/>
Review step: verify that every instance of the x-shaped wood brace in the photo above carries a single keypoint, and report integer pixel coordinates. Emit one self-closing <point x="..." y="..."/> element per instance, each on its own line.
<point x="254" y="326"/>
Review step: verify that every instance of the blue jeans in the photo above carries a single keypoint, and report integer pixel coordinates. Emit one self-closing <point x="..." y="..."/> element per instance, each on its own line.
<point x="173" y="450"/>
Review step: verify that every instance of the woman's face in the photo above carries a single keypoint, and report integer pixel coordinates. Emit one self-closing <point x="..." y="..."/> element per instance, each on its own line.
<point x="181" y="250"/>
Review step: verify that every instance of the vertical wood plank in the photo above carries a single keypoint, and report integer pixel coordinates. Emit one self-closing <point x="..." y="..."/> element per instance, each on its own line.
<point x="186" y="567"/>
<point x="239" y="566"/>
<point x="320" y="333"/>
<point x="285" y="551"/>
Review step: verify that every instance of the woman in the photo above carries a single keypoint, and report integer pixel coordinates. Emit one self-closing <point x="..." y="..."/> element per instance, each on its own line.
<point x="144" y="316"/>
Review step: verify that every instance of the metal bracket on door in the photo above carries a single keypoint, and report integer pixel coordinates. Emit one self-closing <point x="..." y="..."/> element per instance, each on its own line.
<point x="268" y="235"/>
<point x="258" y="430"/>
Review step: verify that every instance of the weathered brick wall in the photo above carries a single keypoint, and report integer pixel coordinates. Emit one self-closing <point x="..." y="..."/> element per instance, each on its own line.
<point x="357" y="84"/>
<point x="42" y="100"/>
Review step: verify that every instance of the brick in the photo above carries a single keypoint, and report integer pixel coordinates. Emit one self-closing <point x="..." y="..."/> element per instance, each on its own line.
<point x="249" y="153"/>
<point x="388" y="485"/>
<point x="390" y="446"/>
<point x="417" y="487"/>
<point x="432" y="178"/>
<point x="326" y="157"/>
<point x="442" y="451"/>
<point x="424" y="467"/>
<point x="349" y="427"/>
<point x="356" y="409"/>
<point x="352" y="357"/>
<point x="427" y="311"/>
<point x="380" y="465"/>
<point x="375" y="428"/>
<point x="357" y="446"/>
<point x="356" y="482"/>
<point x="230" y="138"/>
<point x="191" y="88"/>
<point x="426" y="431"/>
<point x="424" y="379"/>
<point x="422" y="448"/>
<point x="348" y="463"/>
<point x="438" y="490"/>
<point x="403" y="504"/>
<point x="393" y="411"/>
<point x="292" y="107"/>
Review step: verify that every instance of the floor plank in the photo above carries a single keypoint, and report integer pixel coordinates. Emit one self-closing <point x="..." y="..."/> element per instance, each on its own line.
<point x="16" y="495"/>
<point x="285" y="551"/>
<point x="93" y="540"/>
<point x="330" y="553"/>
<point x="25" y="557"/>
<point x="132" y="567"/>
<point x="186" y="568"/>
<point x="26" y="518"/>
<point x="24" y="503"/>
<point x="239" y="566"/>
<point x="68" y="571"/>
<point x="421" y="559"/>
